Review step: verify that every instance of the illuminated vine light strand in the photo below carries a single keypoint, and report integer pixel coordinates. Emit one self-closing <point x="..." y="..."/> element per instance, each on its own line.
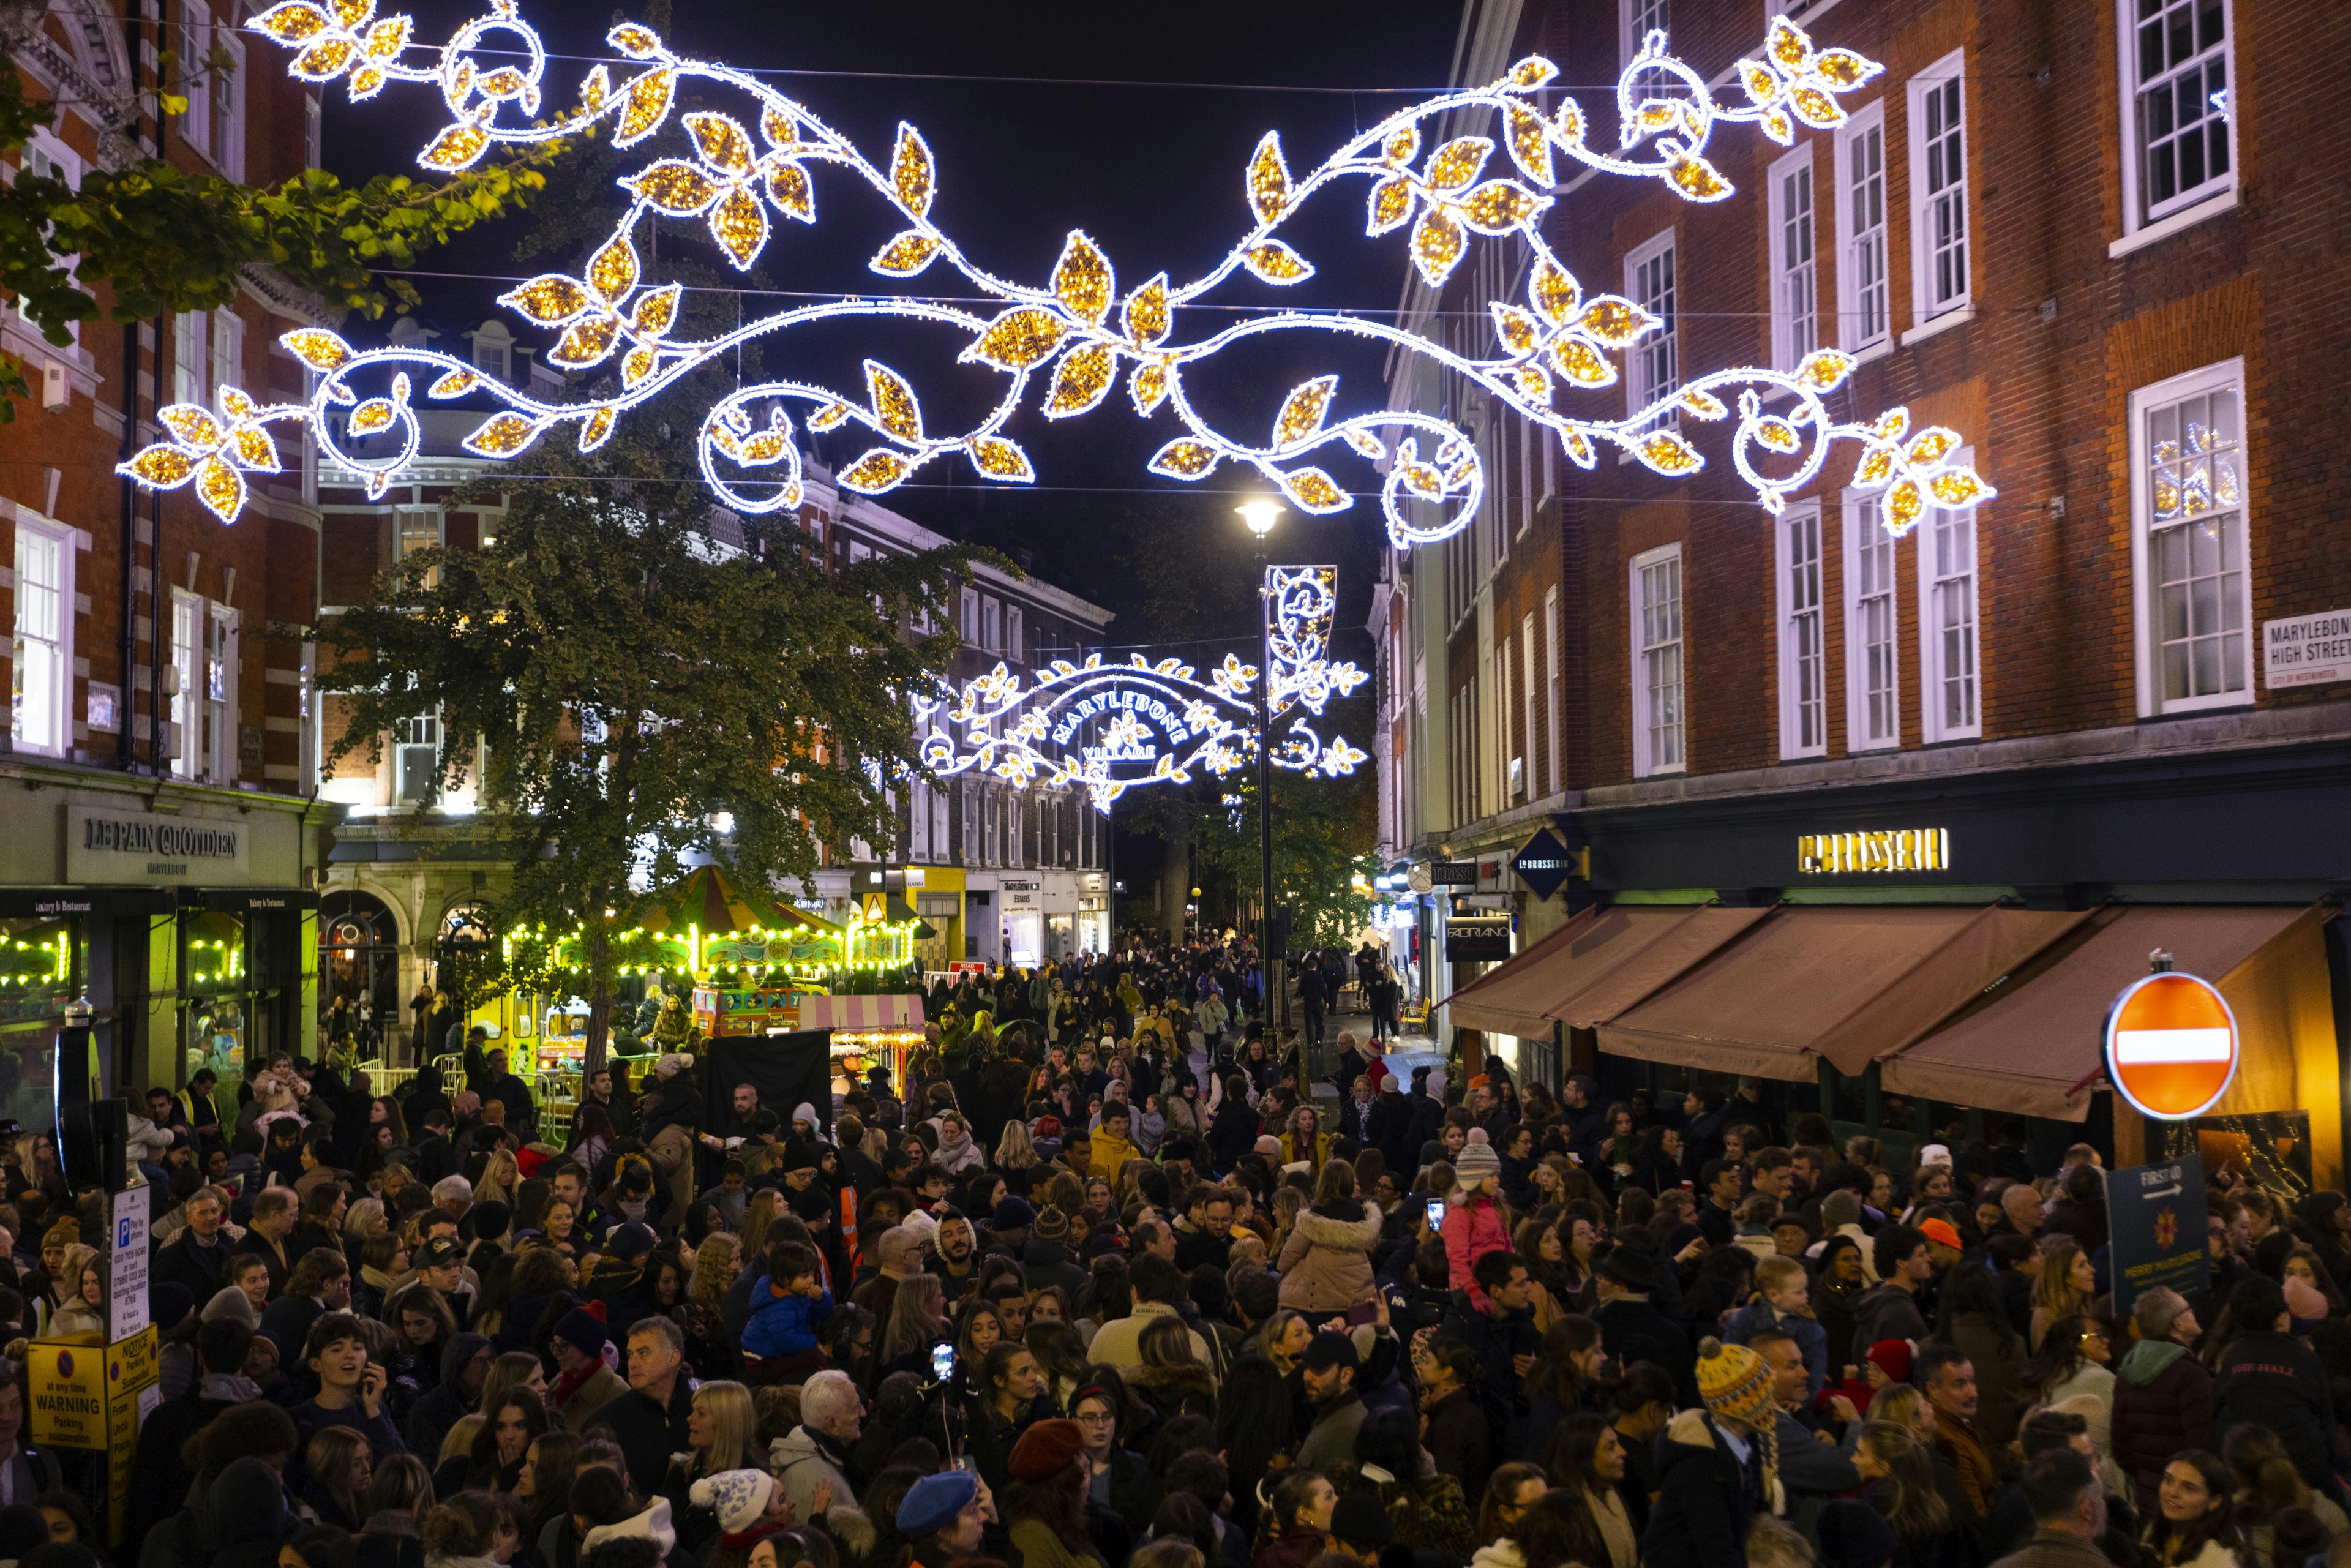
<point x="1077" y="330"/>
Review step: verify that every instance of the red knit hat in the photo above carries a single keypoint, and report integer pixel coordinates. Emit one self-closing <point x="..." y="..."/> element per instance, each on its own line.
<point x="1045" y="1451"/>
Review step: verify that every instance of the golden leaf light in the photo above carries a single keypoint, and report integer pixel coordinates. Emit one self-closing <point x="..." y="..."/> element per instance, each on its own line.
<point x="1431" y="174"/>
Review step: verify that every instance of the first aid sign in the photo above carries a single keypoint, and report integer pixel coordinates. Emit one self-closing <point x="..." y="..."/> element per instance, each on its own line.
<point x="2171" y="1045"/>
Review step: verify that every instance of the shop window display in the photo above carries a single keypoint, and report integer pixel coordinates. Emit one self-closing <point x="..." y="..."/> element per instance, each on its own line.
<point x="213" y="981"/>
<point x="40" y="963"/>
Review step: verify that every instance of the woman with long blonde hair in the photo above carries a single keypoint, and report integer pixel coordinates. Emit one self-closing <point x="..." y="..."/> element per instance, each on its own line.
<point x="917" y="1320"/>
<point x="722" y="1431"/>
<point x="1015" y="1150"/>
<point x="757" y="1216"/>
<point x="1897" y="1472"/>
<point x="500" y="1177"/>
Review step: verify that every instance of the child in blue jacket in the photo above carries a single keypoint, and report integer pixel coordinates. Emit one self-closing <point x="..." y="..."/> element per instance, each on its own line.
<point x="784" y="1315"/>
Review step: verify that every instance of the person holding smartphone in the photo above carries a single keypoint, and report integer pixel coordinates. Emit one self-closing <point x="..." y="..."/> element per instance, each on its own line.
<point x="350" y="1389"/>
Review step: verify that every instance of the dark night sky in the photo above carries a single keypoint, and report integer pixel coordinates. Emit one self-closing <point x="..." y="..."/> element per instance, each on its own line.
<point x="1153" y="172"/>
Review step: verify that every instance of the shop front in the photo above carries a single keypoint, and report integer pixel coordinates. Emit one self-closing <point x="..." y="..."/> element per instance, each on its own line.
<point x="185" y="918"/>
<point x="1934" y="956"/>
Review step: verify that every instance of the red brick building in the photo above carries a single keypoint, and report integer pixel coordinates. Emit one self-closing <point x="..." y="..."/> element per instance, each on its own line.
<point x="113" y="596"/>
<point x="2099" y="241"/>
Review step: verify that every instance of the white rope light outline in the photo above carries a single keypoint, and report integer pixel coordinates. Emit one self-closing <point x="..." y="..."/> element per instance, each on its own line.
<point x="1029" y="734"/>
<point x="737" y="183"/>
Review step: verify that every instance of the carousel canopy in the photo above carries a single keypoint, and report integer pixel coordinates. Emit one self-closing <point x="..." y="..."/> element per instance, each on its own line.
<point x="709" y="899"/>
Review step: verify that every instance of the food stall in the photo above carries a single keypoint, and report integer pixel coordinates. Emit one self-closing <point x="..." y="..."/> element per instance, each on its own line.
<point x="866" y="1031"/>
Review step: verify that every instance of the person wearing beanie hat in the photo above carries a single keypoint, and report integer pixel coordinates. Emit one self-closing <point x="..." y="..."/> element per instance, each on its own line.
<point x="942" y="1516"/>
<point x="1008" y="1226"/>
<point x="1475" y="1224"/>
<point x="584" y="1384"/>
<point x="745" y="1502"/>
<point x="1717" y="1467"/>
<point x="1632" y="1327"/>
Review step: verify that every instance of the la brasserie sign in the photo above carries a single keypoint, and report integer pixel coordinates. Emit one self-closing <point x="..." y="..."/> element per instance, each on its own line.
<point x="1875" y="849"/>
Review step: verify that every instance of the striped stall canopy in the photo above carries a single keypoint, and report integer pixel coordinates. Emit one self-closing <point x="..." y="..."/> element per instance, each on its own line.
<point x="862" y="1014"/>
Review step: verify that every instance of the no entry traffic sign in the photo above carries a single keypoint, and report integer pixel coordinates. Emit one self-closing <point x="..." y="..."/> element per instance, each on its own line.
<point x="2171" y="1044"/>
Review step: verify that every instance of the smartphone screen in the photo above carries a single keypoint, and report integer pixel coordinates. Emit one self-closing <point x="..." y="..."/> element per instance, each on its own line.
<point x="942" y="1361"/>
<point x="1436" y="1211"/>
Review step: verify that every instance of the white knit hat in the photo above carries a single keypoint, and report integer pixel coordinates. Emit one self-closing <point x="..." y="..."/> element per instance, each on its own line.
<point x="739" y="1497"/>
<point x="670" y="1066"/>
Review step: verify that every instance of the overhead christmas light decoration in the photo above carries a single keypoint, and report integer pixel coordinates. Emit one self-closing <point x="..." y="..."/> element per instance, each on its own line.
<point x="1107" y="729"/>
<point x="1075" y="331"/>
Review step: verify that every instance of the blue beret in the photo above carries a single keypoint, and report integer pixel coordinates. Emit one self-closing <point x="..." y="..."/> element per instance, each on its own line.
<point x="934" y="1501"/>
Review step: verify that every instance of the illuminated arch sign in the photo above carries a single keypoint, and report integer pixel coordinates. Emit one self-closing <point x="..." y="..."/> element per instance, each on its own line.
<point x="1107" y="727"/>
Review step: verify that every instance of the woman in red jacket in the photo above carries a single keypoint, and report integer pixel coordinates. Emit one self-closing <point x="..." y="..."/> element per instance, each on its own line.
<point x="1476" y="1221"/>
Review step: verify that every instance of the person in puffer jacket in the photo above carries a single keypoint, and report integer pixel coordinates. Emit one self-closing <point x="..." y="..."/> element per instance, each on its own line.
<point x="1475" y="1223"/>
<point x="785" y="1307"/>
<point x="1326" y="1263"/>
<point x="2163" y="1394"/>
<point x="1716" y="1467"/>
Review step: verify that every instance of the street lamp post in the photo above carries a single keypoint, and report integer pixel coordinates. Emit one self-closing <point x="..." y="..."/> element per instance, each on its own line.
<point x="1261" y="515"/>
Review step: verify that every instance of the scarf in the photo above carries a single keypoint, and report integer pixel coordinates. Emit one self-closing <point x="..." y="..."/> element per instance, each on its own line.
<point x="570" y="1383"/>
<point x="381" y="1282"/>
<point x="743" y="1540"/>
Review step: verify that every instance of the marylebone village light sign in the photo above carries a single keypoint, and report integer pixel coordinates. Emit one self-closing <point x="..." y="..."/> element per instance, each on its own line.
<point x="1075" y="332"/>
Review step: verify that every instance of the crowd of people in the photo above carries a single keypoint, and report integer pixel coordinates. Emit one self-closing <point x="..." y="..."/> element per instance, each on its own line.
<point x="1140" y="1300"/>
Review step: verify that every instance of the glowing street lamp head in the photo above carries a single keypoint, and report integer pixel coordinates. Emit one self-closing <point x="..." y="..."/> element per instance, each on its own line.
<point x="1259" y="515"/>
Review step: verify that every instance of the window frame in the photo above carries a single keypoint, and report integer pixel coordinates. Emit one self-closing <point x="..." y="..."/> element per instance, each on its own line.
<point x="45" y="143"/>
<point x="1645" y="764"/>
<point x="224" y="350"/>
<point x="2229" y="374"/>
<point x="1951" y="69"/>
<point x="1788" y="632"/>
<point x="1785" y="354"/>
<point x="1932" y="729"/>
<point x="1527" y="681"/>
<point x="1639" y="392"/>
<point x="191" y="357"/>
<point x="227" y="94"/>
<point x="1556" y="683"/>
<point x="1863" y="529"/>
<point x="1864" y="122"/>
<point x="196" y="29"/>
<point x="61" y="538"/>
<point x="1633" y="26"/>
<point x="2214" y="195"/>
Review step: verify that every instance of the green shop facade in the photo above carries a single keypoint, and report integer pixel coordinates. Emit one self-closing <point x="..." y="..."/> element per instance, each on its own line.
<point x="186" y="916"/>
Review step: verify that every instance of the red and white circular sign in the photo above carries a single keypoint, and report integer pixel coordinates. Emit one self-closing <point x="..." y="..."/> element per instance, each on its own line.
<point x="2171" y="1045"/>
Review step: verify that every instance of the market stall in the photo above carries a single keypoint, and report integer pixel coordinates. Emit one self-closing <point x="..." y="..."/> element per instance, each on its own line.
<point x="866" y="1031"/>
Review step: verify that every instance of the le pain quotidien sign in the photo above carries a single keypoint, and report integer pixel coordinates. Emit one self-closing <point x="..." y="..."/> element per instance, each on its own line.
<point x="106" y="844"/>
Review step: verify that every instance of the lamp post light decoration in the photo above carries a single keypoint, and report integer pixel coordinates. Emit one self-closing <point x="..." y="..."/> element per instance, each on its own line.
<point x="1260" y="513"/>
<point x="1075" y="332"/>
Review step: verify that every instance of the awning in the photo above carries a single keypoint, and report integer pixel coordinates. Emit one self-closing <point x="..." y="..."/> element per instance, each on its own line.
<point x="1847" y="982"/>
<point x="2037" y="1045"/>
<point x="863" y="1014"/>
<point x="1629" y="952"/>
<point x="1510" y="999"/>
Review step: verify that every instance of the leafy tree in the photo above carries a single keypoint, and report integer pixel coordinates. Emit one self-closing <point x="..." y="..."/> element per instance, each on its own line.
<point x="641" y="691"/>
<point x="161" y="239"/>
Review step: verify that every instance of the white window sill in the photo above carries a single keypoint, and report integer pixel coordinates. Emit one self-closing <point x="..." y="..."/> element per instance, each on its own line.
<point x="2217" y="702"/>
<point x="1943" y="323"/>
<point x="2163" y="228"/>
<point x="1674" y="771"/>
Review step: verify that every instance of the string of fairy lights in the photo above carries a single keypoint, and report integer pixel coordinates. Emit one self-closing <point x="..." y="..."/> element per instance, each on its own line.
<point x="1076" y="332"/>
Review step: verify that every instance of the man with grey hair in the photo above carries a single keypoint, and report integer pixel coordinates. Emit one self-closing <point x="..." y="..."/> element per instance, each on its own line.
<point x="264" y="1238"/>
<point x="2163" y="1394"/>
<point x="897" y="1254"/>
<point x="818" y="1450"/>
<point x="453" y="1195"/>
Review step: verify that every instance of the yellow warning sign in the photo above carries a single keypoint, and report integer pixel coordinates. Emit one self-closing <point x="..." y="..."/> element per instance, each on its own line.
<point x="130" y="1363"/>
<point x="69" y="1389"/>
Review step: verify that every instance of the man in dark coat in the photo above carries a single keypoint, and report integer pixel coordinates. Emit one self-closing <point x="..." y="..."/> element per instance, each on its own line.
<point x="160" y="1475"/>
<point x="1388" y="1125"/>
<point x="1711" y="1466"/>
<point x="648" y="1421"/>
<point x="2269" y="1378"/>
<point x="1502" y="1336"/>
<point x="198" y="1257"/>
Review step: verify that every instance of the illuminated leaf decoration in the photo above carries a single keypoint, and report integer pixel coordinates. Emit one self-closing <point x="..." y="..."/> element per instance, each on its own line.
<point x="1929" y="445"/>
<point x="1183" y="459"/>
<point x="1316" y="491"/>
<point x="1823" y="369"/>
<point x="1147" y="317"/>
<point x="550" y="299"/>
<point x="790" y="193"/>
<point x="326" y="59"/>
<point x="1081" y="380"/>
<point x="894" y="407"/>
<point x="1553" y="291"/>
<point x="639" y="363"/>
<point x="502" y="435"/>
<point x="1666" y="453"/>
<point x="193" y="425"/>
<point x="905" y="256"/>
<point x="739" y="224"/>
<point x="1402" y="145"/>
<point x="1579" y="448"/>
<point x="1083" y="281"/>
<point x="1303" y="410"/>
<point x="637" y="42"/>
<point x="252" y="447"/>
<point x="1903" y="504"/>
<point x="724" y="144"/>
<point x="1391" y="205"/>
<point x="1149" y="386"/>
<point x="586" y="343"/>
<point x="459" y="147"/>
<point x="1277" y="263"/>
<point x="1018" y="338"/>
<point x="655" y="309"/>
<point x="1499" y="206"/>
<point x="1001" y="460"/>
<point x="649" y="102"/>
<point x="316" y="347"/>
<point x="1530" y="146"/>
<point x="1778" y="434"/>
<point x="614" y="270"/>
<point x="162" y="467"/>
<point x="1579" y="362"/>
<point x="596" y="429"/>
<point x="1958" y="487"/>
<point x="1697" y="179"/>
<point x="295" y="22"/>
<point x="1454" y="165"/>
<point x="1532" y="72"/>
<point x="830" y="415"/>
<point x="878" y="472"/>
<point x="676" y="187"/>
<point x="1704" y="404"/>
<point x="220" y="488"/>
<point x="911" y="171"/>
<point x="1516" y="331"/>
<point x="1615" y="321"/>
<point x="1438" y="246"/>
<point x="1268" y="178"/>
